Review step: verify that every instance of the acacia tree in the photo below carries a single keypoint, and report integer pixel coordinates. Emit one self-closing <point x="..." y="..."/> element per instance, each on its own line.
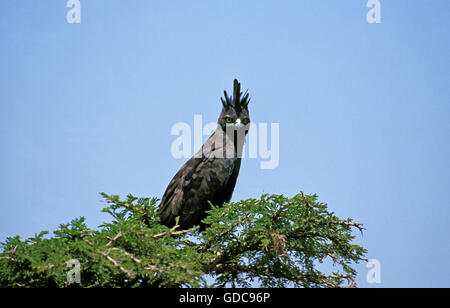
<point x="273" y="241"/>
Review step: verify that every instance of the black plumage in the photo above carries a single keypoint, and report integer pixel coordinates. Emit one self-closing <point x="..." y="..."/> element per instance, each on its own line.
<point x="211" y="174"/>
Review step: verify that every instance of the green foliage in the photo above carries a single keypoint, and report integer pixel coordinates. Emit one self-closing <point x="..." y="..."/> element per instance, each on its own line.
<point x="273" y="241"/>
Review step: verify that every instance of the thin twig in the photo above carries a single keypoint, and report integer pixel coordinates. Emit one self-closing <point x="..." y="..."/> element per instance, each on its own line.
<point x="173" y="233"/>
<point x="116" y="264"/>
<point x="115" y="238"/>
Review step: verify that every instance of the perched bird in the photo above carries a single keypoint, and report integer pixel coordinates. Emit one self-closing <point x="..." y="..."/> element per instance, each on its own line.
<point x="211" y="174"/>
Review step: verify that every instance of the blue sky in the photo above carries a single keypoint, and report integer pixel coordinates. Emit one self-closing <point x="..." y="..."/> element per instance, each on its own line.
<point x="363" y="111"/>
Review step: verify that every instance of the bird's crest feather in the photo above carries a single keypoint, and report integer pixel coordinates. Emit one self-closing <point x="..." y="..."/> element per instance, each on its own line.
<point x="237" y="101"/>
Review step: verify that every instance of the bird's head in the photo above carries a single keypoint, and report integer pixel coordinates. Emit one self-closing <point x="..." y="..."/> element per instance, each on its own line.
<point x="235" y="113"/>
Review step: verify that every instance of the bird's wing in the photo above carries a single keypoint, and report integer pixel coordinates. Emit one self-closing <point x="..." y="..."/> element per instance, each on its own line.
<point x="199" y="180"/>
<point x="171" y="201"/>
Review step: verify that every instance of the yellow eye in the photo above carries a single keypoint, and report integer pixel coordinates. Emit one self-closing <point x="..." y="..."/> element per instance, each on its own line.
<point x="228" y="120"/>
<point x="245" y="121"/>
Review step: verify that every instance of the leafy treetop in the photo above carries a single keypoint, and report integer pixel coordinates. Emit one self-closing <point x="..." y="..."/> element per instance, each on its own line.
<point x="273" y="241"/>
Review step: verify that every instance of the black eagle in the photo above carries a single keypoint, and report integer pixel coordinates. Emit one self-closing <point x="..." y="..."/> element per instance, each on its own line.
<point x="211" y="174"/>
